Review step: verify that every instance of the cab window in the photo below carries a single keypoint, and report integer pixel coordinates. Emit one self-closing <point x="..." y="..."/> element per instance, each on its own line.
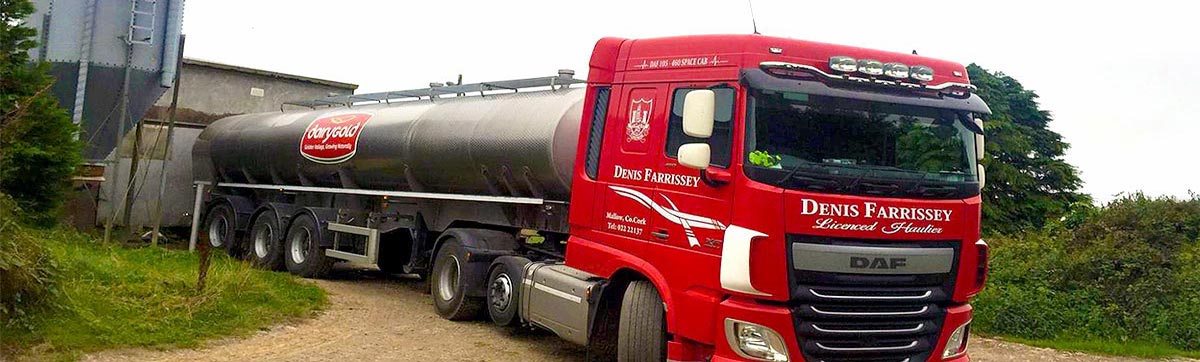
<point x="722" y="135"/>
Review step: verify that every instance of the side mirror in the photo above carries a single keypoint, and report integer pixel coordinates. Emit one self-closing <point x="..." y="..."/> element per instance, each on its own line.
<point x="979" y="141"/>
<point x="982" y="176"/>
<point x="698" y="108"/>
<point x="695" y="155"/>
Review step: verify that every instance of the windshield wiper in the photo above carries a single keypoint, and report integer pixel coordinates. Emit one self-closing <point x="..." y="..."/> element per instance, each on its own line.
<point x="793" y="171"/>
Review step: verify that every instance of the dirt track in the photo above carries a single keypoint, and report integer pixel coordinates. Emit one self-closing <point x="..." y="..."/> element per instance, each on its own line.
<point x="377" y="318"/>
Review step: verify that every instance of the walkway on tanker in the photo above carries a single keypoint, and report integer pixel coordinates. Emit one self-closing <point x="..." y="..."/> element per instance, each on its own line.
<point x="372" y="317"/>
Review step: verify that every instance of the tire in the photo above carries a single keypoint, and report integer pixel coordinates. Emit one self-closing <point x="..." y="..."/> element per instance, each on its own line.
<point x="504" y="290"/>
<point x="302" y="252"/>
<point x="265" y="242"/>
<point x="447" y="286"/>
<point x="642" y="334"/>
<point x="221" y="228"/>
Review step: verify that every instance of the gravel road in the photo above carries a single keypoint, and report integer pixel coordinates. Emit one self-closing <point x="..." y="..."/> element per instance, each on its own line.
<point x="376" y="318"/>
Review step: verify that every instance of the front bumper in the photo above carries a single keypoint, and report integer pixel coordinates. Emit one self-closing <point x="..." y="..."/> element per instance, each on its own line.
<point x="780" y="319"/>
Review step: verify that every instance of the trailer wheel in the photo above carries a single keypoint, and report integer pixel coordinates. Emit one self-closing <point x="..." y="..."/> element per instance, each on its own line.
<point x="642" y="335"/>
<point x="302" y="252"/>
<point x="221" y="227"/>
<point x="448" y="287"/>
<point x="265" y="242"/>
<point x="504" y="290"/>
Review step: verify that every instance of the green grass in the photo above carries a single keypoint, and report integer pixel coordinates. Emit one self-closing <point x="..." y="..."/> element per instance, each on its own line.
<point x="117" y="297"/>
<point x="1141" y="349"/>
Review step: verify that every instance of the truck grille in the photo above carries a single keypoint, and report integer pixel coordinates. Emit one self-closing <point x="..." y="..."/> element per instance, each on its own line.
<point x="842" y="317"/>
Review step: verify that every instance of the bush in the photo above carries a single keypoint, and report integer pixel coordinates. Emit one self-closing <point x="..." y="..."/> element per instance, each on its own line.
<point x="39" y="145"/>
<point x="27" y="270"/>
<point x="1124" y="272"/>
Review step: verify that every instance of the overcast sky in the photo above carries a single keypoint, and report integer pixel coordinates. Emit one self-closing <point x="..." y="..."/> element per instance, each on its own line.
<point x="1121" y="80"/>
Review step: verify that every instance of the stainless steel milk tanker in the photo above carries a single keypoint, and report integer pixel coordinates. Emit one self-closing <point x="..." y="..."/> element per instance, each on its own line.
<point x="516" y="144"/>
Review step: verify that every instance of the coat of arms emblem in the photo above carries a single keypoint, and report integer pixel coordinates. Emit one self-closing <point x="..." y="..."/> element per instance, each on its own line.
<point x="639" y="120"/>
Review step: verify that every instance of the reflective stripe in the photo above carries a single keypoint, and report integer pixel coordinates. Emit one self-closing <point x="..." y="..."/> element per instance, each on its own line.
<point x="557" y="293"/>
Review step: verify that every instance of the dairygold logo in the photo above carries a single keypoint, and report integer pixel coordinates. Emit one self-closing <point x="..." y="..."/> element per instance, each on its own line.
<point x="333" y="139"/>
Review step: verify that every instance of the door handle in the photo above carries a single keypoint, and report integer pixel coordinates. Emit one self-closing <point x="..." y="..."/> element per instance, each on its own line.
<point x="661" y="234"/>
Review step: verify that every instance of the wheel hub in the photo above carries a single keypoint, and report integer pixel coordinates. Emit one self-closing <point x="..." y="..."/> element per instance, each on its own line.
<point x="501" y="292"/>
<point x="300" y="244"/>
<point x="448" y="279"/>
<point x="262" y="240"/>
<point x="216" y="232"/>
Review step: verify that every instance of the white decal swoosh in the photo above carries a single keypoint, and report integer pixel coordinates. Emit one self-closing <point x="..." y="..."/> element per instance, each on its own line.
<point x="673" y="214"/>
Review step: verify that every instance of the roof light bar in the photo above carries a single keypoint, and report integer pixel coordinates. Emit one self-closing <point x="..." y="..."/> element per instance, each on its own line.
<point x="894" y="70"/>
<point x="875" y="68"/>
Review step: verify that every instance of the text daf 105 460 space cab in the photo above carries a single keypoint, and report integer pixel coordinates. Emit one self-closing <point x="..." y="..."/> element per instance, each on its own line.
<point x="698" y="198"/>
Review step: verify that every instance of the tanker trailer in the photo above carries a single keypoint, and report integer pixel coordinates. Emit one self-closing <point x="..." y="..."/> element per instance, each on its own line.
<point x="359" y="173"/>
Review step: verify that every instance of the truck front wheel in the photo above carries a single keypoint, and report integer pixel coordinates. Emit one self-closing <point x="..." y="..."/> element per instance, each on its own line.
<point x="302" y="252"/>
<point x="642" y="335"/>
<point x="449" y="288"/>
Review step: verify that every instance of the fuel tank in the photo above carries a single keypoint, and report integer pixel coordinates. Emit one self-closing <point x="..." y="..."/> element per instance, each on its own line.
<point x="516" y="144"/>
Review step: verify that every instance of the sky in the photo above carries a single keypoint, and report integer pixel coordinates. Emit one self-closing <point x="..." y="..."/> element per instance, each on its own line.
<point x="1121" y="79"/>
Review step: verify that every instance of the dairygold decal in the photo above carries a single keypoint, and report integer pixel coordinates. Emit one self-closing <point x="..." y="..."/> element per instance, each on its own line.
<point x="870" y="216"/>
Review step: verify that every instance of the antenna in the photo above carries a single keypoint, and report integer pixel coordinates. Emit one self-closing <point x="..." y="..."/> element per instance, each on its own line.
<point x="753" y="22"/>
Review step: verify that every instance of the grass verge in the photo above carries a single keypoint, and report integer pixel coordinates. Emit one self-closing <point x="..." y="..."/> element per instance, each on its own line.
<point x="118" y="297"/>
<point x="1140" y="349"/>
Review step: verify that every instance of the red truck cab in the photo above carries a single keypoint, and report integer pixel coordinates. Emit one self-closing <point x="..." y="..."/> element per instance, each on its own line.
<point x="828" y="210"/>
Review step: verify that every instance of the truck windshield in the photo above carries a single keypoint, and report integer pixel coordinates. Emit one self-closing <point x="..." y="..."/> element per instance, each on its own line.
<point x="841" y="145"/>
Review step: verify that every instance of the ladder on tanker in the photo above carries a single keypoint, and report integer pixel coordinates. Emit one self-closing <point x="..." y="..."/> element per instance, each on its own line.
<point x="564" y="79"/>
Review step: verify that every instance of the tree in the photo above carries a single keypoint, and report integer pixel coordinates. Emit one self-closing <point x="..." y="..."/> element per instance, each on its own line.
<point x="39" y="145"/>
<point x="1028" y="182"/>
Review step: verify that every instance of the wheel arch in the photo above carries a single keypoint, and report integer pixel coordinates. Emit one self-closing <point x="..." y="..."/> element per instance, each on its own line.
<point x="243" y="210"/>
<point x="483" y="246"/>
<point x="321" y="215"/>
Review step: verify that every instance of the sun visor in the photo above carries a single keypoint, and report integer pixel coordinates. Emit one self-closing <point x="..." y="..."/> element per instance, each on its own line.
<point x="757" y="78"/>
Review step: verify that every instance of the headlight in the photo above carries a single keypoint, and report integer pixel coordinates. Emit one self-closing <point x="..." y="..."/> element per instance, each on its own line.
<point x="870" y="67"/>
<point x="754" y="341"/>
<point x="921" y="73"/>
<point x="896" y="70"/>
<point x="843" y="64"/>
<point x="956" y="345"/>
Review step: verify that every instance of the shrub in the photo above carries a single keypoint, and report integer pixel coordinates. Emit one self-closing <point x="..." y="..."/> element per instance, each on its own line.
<point x="28" y="271"/>
<point x="1126" y="271"/>
<point x="39" y="145"/>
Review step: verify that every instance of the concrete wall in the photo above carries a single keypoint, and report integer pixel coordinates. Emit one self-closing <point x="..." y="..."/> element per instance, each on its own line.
<point x="179" y="196"/>
<point x="210" y="91"/>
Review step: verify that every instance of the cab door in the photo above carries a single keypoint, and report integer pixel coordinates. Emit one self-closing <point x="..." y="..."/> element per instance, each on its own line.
<point x="630" y="153"/>
<point x="697" y="211"/>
